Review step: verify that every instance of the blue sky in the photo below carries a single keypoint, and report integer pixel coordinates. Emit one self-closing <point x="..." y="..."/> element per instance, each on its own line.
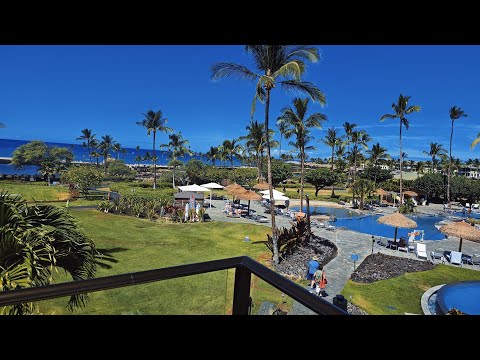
<point x="52" y="92"/>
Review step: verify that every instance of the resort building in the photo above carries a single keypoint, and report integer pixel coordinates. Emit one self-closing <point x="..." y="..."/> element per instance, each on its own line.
<point x="470" y="172"/>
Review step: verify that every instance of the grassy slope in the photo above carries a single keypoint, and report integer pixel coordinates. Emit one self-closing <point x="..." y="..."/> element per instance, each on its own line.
<point x="31" y="191"/>
<point x="403" y="292"/>
<point x="139" y="244"/>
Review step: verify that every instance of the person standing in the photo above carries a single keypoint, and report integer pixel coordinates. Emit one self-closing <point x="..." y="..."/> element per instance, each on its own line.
<point x="287" y="203"/>
<point x="312" y="267"/>
<point x="320" y="281"/>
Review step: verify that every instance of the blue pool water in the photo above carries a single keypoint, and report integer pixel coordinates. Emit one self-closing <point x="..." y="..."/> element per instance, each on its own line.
<point x="322" y="210"/>
<point x="368" y="225"/>
<point x="462" y="296"/>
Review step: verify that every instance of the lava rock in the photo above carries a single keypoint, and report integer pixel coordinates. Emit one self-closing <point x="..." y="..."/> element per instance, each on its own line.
<point x="379" y="266"/>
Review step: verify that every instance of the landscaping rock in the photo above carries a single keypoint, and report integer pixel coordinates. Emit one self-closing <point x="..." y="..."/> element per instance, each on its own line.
<point x="295" y="265"/>
<point x="355" y="310"/>
<point x="379" y="266"/>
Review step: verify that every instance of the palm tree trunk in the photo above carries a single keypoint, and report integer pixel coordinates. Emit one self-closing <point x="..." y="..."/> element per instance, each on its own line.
<point x="105" y="163"/>
<point x="270" y="186"/>
<point x="333" y="186"/>
<point x="449" y="169"/>
<point x="375" y="177"/>
<point x="259" y="169"/>
<point x="401" y="165"/>
<point x="173" y="178"/>
<point x="302" y="165"/>
<point x="89" y="154"/>
<point x="155" y="164"/>
<point x="354" y="170"/>
<point x="280" y="156"/>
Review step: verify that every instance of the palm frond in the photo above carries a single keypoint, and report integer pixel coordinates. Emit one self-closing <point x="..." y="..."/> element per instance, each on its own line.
<point x="302" y="51"/>
<point x="306" y="88"/>
<point x="223" y="69"/>
<point x="413" y="108"/>
<point x="387" y="116"/>
<point x="293" y="68"/>
<point x="475" y="142"/>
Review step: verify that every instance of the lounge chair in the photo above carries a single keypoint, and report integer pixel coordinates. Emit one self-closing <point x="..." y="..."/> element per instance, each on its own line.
<point x="330" y="227"/>
<point x="475" y="260"/>
<point x="421" y="251"/>
<point x="455" y="258"/>
<point x="403" y="245"/>
<point x="438" y="254"/>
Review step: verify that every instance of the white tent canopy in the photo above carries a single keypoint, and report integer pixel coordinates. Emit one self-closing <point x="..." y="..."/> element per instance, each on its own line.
<point x="275" y="192"/>
<point x="212" y="185"/>
<point x="276" y="197"/>
<point x="193" y="187"/>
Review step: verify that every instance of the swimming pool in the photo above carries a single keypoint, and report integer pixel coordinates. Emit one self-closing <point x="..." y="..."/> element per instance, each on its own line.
<point x="462" y="296"/>
<point x="368" y="224"/>
<point x="324" y="210"/>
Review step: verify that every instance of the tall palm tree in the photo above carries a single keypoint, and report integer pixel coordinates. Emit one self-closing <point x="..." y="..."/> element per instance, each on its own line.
<point x="401" y="110"/>
<point x="154" y="122"/>
<point x="282" y="127"/>
<point x="177" y="147"/>
<point x="359" y="139"/>
<point x="340" y="164"/>
<point x="455" y="114"/>
<point x="105" y="146"/>
<point x="232" y="148"/>
<point x="276" y="65"/>
<point x="88" y="138"/>
<point x="420" y="168"/>
<point x="299" y="125"/>
<point x="436" y="149"/>
<point x="117" y="148"/>
<point x="377" y="153"/>
<point x="332" y="140"/>
<point x="212" y="154"/>
<point x="36" y="239"/>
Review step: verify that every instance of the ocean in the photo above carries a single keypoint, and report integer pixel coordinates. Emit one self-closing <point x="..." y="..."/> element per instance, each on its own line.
<point x="7" y="147"/>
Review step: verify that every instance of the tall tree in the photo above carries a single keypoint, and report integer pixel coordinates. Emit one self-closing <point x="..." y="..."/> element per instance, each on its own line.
<point x="332" y="139"/>
<point x="401" y="110"/>
<point x="87" y="138"/>
<point x="105" y="146"/>
<point x="299" y="125"/>
<point x="282" y="127"/>
<point x="358" y="140"/>
<point x="232" y="148"/>
<point x="35" y="240"/>
<point x="154" y="122"/>
<point x="455" y="114"/>
<point x="436" y="149"/>
<point x="117" y="148"/>
<point x="177" y="147"/>
<point x="212" y="154"/>
<point x="276" y="65"/>
<point x="377" y="153"/>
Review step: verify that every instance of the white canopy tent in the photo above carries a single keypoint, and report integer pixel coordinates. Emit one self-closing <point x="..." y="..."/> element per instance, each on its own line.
<point x="194" y="188"/>
<point x="276" y="197"/>
<point x="211" y="186"/>
<point x="275" y="192"/>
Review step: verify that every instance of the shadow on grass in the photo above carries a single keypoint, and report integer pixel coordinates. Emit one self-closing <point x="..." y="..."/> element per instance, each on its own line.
<point x="106" y="256"/>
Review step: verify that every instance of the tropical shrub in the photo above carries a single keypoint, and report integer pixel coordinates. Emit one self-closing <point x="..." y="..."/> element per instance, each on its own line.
<point x="106" y="206"/>
<point x="84" y="177"/>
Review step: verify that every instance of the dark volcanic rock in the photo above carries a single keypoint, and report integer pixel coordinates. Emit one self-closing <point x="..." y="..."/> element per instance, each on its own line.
<point x="296" y="264"/>
<point x="355" y="310"/>
<point x="380" y="267"/>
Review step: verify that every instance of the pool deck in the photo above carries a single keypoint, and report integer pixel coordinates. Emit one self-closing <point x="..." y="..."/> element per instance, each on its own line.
<point x="350" y="242"/>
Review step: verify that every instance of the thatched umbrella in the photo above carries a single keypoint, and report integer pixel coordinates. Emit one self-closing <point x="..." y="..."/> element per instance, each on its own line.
<point x="232" y="187"/>
<point x="397" y="220"/>
<point x="247" y="195"/>
<point x="461" y="230"/>
<point x="261" y="186"/>
<point x="381" y="193"/>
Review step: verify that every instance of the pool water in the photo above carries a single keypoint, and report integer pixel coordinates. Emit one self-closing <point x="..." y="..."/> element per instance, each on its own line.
<point x="462" y="296"/>
<point x="323" y="210"/>
<point x="368" y="224"/>
<point x="431" y="303"/>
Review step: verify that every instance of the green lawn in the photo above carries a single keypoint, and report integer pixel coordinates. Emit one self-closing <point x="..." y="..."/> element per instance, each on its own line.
<point x="403" y="293"/>
<point x="33" y="191"/>
<point x="138" y="244"/>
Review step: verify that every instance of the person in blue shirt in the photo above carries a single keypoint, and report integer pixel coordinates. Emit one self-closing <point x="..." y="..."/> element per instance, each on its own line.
<point x="312" y="266"/>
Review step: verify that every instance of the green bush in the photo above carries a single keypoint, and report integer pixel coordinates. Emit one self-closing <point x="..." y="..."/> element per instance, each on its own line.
<point x="83" y="177"/>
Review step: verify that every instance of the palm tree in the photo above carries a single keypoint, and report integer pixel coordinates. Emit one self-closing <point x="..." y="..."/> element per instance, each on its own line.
<point x="377" y="153"/>
<point x="88" y="138"/>
<point x="420" y="167"/>
<point x="276" y="64"/>
<point x="153" y="122"/>
<point x="436" y="149"/>
<point x="282" y="127"/>
<point x="455" y="114"/>
<point x="332" y="139"/>
<point x="35" y="240"/>
<point x="401" y="109"/>
<point x="232" y="148"/>
<point x="117" y="148"/>
<point x="105" y="147"/>
<point x="212" y="154"/>
<point x="299" y="124"/>
<point x="177" y="147"/>
<point x="340" y="164"/>
<point x="362" y="187"/>
<point x="359" y="138"/>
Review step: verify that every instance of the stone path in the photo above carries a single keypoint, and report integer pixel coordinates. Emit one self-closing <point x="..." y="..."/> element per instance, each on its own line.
<point x="349" y="242"/>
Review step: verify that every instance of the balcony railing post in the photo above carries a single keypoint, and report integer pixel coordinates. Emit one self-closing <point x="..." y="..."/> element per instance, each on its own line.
<point x="241" y="290"/>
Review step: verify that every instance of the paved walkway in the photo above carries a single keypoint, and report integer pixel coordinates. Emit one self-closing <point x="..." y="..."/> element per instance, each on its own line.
<point x="349" y="242"/>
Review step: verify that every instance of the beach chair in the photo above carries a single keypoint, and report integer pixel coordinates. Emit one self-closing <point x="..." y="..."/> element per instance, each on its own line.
<point x="475" y="260"/>
<point x="455" y="258"/>
<point x="421" y="251"/>
<point x="384" y="241"/>
<point x="403" y="245"/>
<point x="438" y="254"/>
